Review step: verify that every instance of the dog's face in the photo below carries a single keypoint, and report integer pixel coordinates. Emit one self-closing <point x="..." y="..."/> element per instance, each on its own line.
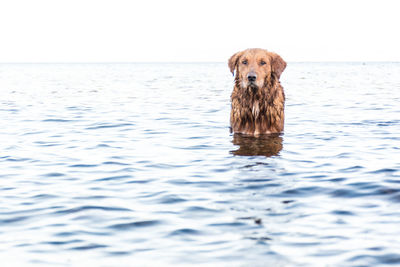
<point x="254" y="66"/>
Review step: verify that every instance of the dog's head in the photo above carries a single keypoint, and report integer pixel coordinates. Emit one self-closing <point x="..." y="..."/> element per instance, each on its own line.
<point x="255" y="66"/>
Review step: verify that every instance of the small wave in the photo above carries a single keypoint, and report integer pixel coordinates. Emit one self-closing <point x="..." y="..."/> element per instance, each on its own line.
<point x="118" y="253"/>
<point x="196" y="209"/>
<point x="57" y="120"/>
<point x="184" y="232"/>
<point x="115" y="163"/>
<point x="53" y="174"/>
<point x="89" y="247"/>
<point x="392" y="258"/>
<point x="110" y="125"/>
<point x="44" y="196"/>
<point x="170" y="199"/>
<point x="229" y="224"/>
<point x="15" y="159"/>
<point x="61" y="243"/>
<point x="346" y="193"/>
<point x="133" y="225"/>
<point x="356" y="168"/>
<point x="384" y="171"/>
<point x="304" y="191"/>
<point x="86" y="208"/>
<point x="259" y="239"/>
<point x="83" y="165"/>
<point x="342" y="212"/>
<point x="14" y="219"/>
<point x="112" y="178"/>
<point x="47" y="143"/>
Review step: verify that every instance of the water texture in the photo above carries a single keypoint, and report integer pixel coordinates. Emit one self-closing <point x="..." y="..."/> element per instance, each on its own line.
<point x="134" y="164"/>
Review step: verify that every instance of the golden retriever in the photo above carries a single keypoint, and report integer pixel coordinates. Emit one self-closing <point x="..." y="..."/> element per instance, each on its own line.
<point x="257" y="99"/>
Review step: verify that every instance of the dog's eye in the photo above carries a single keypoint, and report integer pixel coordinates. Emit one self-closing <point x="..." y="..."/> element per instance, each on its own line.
<point x="262" y="62"/>
<point x="244" y="62"/>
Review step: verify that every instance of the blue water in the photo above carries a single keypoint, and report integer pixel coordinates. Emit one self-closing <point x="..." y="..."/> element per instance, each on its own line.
<point x="134" y="164"/>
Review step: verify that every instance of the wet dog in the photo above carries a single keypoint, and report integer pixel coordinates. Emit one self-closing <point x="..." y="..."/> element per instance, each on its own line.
<point x="258" y="99"/>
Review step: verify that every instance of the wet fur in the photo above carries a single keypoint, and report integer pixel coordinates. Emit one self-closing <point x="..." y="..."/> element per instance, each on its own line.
<point x="258" y="109"/>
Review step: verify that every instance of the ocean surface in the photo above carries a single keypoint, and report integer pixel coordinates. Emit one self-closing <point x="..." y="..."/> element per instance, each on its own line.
<point x="134" y="165"/>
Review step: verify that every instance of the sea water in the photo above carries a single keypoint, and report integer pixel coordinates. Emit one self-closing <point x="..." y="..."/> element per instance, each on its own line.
<point x="135" y="165"/>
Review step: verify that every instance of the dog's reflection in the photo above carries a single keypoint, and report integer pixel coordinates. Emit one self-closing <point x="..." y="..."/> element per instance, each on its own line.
<point x="265" y="145"/>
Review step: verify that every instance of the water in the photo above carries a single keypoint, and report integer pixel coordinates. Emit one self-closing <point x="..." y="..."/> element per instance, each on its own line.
<point x="134" y="164"/>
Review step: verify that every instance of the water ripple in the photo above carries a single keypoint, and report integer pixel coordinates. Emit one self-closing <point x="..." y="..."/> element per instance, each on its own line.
<point x="134" y="225"/>
<point x="108" y="125"/>
<point x="86" y="208"/>
<point x="89" y="247"/>
<point x="185" y="232"/>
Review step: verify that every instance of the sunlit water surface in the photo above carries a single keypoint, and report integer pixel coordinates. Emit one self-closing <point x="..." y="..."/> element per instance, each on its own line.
<point x="134" y="164"/>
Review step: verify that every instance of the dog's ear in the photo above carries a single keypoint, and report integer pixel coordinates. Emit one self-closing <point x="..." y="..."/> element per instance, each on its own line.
<point x="233" y="61"/>
<point x="277" y="63"/>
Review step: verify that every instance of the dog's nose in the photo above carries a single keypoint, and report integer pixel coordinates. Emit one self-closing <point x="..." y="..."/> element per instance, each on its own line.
<point x="252" y="77"/>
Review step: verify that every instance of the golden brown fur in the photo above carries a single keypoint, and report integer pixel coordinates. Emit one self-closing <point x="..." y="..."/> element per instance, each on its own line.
<point x="257" y="99"/>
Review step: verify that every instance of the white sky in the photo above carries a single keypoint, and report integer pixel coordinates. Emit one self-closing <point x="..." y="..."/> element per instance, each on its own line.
<point x="202" y="30"/>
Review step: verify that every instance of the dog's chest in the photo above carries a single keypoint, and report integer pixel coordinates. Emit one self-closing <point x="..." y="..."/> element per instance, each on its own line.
<point x="255" y="109"/>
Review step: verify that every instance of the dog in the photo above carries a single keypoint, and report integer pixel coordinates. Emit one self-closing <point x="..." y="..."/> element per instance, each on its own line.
<point x="258" y="99"/>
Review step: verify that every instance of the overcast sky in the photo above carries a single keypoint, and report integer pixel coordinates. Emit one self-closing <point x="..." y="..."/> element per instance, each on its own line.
<point x="202" y="30"/>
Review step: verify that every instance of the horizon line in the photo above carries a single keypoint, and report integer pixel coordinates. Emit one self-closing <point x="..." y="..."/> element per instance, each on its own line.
<point x="190" y="62"/>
